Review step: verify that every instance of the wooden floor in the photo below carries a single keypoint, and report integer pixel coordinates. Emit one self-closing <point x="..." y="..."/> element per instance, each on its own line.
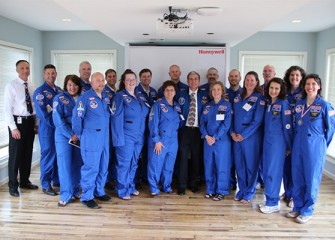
<point x="35" y="215"/>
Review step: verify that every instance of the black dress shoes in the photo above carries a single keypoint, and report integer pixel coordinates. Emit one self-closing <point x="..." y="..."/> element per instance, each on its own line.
<point x="181" y="191"/>
<point x="50" y="191"/>
<point x="104" y="198"/>
<point x="29" y="185"/>
<point x="91" y="204"/>
<point x="195" y="189"/>
<point x="14" y="192"/>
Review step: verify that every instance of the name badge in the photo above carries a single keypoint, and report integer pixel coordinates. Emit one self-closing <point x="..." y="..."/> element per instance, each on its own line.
<point x="219" y="117"/>
<point x="182" y="117"/>
<point x="247" y="107"/>
<point x="19" y="120"/>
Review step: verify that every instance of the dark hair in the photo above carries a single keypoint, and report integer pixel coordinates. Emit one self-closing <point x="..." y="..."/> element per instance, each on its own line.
<point x="288" y="73"/>
<point x="109" y="71"/>
<point x="75" y="79"/>
<point x="20" y="61"/>
<point x="283" y="91"/>
<point x="169" y="83"/>
<point x="123" y="77"/>
<point x="317" y="79"/>
<point x="48" y="66"/>
<point x="144" y="70"/>
<point x="217" y="83"/>
<point x="257" y="88"/>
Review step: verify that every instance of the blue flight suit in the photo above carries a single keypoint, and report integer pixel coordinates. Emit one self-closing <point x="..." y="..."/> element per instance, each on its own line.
<point x="278" y="138"/>
<point x="190" y="141"/>
<point x="215" y="121"/>
<point x="287" y="177"/>
<point x="112" y="157"/>
<point x="150" y="98"/>
<point x="164" y="122"/>
<point x="91" y="123"/>
<point x="314" y="131"/>
<point x="86" y="86"/>
<point x="43" y="99"/>
<point x="248" y="120"/>
<point x="128" y="126"/>
<point x="69" y="159"/>
<point x="231" y="96"/>
<point x="181" y="87"/>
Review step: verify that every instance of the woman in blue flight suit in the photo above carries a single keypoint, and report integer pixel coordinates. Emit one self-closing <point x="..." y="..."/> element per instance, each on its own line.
<point x="215" y="123"/>
<point x="128" y="124"/>
<point x="277" y="144"/>
<point x="292" y="78"/>
<point x="314" y="129"/>
<point x="69" y="159"/>
<point x="164" y="122"/>
<point x="247" y="135"/>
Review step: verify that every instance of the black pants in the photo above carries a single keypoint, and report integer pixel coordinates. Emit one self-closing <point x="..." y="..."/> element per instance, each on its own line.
<point x="190" y="142"/>
<point x="20" y="152"/>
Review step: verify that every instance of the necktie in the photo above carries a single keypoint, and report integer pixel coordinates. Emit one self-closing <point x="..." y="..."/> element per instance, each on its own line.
<point x="191" y="113"/>
<point x="28" y="99"/>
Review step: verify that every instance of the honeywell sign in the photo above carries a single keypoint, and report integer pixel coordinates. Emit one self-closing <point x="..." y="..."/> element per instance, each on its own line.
<point x="159" y="58"/>
<point x="201" y="51"/>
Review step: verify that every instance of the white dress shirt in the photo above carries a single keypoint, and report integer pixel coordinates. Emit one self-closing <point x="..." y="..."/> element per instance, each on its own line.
<point x="196" y="123"/>
<point x="15" y="101"/>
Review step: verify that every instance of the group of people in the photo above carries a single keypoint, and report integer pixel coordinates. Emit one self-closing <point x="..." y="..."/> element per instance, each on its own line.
<point x="90" y="134"/>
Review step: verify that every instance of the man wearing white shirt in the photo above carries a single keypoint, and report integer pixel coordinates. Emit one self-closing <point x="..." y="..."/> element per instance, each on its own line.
<point x="191" y="102"/>
<point x="19" y="115"/>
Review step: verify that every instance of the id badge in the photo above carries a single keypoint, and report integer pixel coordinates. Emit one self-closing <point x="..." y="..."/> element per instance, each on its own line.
<point x="19" y="120"/>
<point x="247" y="107"/>
<point x="219" y="117"/>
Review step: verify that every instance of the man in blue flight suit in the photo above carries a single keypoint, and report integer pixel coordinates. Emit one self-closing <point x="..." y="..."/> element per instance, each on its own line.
<point x="191" y="103"/>
<point x="85" y="69"/>
<point x="174" y="73"/>
<point x="233" y="91"/>
<point x="90" y="122"/>
<point x="212" y="76"/>
<point x="43" y="100"/>
<point x="150" y="96"/>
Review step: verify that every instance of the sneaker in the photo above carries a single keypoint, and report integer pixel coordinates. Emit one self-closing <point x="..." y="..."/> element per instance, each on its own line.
<point x="303" y="219"/>
<point x="292" y="214"/>
<point x="91" y="204"/>
<point x="218" y="197"/>
<point x="258" y="186"/>
<point x="269" y="209"/>
<point x="103" y="198"/>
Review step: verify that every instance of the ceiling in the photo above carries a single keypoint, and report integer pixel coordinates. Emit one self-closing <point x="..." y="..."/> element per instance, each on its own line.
<point x="126" y="21"/>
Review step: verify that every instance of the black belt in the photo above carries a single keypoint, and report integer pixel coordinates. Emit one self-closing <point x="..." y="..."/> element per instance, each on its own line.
<point x="193" y="128"/>
<point x="24" y="117"/>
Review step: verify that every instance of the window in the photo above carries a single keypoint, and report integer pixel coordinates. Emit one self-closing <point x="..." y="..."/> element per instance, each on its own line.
<point x="67" y="62"/>
<point x="256" y="60"/>
<point x="329" y="89"/>
<point x="9" y="55"/>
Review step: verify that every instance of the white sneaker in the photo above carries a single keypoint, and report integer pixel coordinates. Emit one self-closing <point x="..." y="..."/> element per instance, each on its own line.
<point x="269" y="209"/>
<point x="303" y="219"/>
<point x="258" y="186"/>
<point x="292" y="214"/>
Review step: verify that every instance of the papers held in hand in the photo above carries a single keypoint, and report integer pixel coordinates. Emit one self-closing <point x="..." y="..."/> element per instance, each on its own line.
<point x="75" y="143"/>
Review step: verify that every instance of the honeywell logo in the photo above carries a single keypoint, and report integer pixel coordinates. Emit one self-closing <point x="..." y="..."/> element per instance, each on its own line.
<point x="212" y="52"/>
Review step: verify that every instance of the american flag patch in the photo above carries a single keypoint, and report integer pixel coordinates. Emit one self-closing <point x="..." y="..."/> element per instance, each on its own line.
<point x="287" y="112"/>
<point x="262" y="102"/>
<point x="331" y="113"/>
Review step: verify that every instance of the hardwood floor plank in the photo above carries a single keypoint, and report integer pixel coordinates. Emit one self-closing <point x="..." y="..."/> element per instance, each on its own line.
<point x="35" y="215"/>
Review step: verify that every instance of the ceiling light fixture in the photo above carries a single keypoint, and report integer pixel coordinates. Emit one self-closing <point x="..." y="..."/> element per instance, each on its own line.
<point x="296" y="21"/>
<point x="209" y="11"/>
<point x="66" y="20"/>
